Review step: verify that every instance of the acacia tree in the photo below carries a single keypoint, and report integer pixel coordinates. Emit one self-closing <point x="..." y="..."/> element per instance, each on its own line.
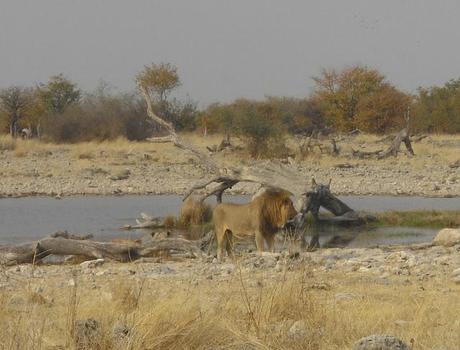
<point x="159" y="80"/>
<point x="14" y="102"/>
<point x="359" y="97"/>
<point x="58" y="94"/>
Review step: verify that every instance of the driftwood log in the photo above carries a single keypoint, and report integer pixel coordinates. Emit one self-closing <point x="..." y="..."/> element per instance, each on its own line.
<point x="33" y="252"/>
<point x="146" y="222"/>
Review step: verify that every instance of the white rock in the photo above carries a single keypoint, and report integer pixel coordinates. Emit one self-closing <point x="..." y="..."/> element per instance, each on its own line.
<point x="91" y="264"/>
<point x="298" y="330"/>
<point x="447" y="237"/>
<point x="345" y="296"/>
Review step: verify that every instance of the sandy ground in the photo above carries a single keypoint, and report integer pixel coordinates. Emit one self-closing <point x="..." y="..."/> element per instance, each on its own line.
<point x="122" y="167"/>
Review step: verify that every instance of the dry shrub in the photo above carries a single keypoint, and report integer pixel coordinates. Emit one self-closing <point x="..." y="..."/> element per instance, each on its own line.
<point x="194" y="212"/>
<point x="170" y="222"/>
<point x="99" y="118"/>
<point x="7" y="143"/>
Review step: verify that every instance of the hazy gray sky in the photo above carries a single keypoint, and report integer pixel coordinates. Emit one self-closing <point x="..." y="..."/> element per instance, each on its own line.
<point x="228" y="49"/>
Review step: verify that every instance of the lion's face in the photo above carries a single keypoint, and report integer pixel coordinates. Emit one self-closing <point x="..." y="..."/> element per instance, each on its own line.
<point x="288" y="211"/>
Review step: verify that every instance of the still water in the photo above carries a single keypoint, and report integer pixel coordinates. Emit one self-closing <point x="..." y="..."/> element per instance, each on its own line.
<point x="25" y="219"/>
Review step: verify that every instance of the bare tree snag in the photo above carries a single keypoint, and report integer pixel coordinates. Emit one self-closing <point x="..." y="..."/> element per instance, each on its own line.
<point x="320" y="196"/>
<point x="403" y="136"/>
<point x="392" y="150"/>
<point x="335" y="149"/>
<point x="123" y="252"/>
<point x="224" y="144"/>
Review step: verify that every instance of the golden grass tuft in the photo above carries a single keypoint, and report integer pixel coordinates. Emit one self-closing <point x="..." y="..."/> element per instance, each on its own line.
<point x="295" y="310"/>
<point x="170" y="222"/>
<point x="7" y="143"/>
<point x="194" y="212"/>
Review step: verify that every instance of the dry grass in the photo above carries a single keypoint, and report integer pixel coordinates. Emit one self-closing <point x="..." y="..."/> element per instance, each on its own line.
<point x="194" y="212"/>
<point x="243" y="312"/>
<point x="427" y="151"/>
<point x="7" y="143"/>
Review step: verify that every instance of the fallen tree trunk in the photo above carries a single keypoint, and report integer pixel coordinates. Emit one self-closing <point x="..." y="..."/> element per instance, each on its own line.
<point x="33" y="252"/>
<point x="364" y="155"/>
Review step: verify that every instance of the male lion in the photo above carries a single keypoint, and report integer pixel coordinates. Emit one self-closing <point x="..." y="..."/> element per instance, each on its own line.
<point x="262" y="217"/>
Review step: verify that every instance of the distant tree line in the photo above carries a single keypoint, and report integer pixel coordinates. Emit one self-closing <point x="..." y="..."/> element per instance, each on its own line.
<point x="356" y="97"/>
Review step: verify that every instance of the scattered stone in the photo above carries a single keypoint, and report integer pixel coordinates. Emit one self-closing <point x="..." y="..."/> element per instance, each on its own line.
<point x="403" y="323"/>
<point x="380" y="342"/>
<point x="456" y="272"/>
<point x="121" y="175"/>
<point x="298" y="330"/>
<point x="447" y="237"/>
<point x="345" y="296"/>
<point x="87" y="334"/>
<point x="344" y="166"/>
<point x="455" y="164"/>
<point x="166" y="270"/>
<point x="121" y="332"/>
<point x="91" y="264"/>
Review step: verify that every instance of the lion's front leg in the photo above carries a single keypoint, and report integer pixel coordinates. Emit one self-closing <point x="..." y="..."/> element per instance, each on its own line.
<point x="260" y="242"/>
<point x="221" y="240"/>
<point x="270" y="243"/>
<point x="229" y="244"/>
